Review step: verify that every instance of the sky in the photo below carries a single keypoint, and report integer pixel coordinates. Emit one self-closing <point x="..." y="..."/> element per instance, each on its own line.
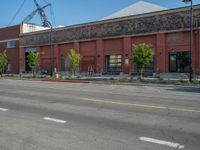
<point x="69" y="12"/>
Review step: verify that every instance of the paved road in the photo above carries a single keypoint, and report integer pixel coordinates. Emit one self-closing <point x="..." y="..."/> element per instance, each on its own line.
<point x="66" y="116"/>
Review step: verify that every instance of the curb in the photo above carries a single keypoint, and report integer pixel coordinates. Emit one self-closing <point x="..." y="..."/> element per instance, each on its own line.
<point x="143" y="84"/>
<point x="66" y="81"/>
<point x="105" y="82"/>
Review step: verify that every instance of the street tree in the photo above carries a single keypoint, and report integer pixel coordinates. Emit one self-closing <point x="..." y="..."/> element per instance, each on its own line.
<point x="3" y="61"/>
<point x="142" y="55"/>
<point x="33" y="61"/>
<point x="74" y="59"/>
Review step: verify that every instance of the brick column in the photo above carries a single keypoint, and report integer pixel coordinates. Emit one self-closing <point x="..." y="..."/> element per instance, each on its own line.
<point x="21" y="59"/>
<point x="160" y="53"/>
<point x="56" y="57"/>
<point x="99" y="56"/>
<point x="127" y="55"/>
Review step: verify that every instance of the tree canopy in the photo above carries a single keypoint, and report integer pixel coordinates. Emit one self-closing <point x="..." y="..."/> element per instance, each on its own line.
<point x="142" y="55"/>
<point x="33" y="61"/>
<point x="74" y="59"/>
<point x="3" y="59"/>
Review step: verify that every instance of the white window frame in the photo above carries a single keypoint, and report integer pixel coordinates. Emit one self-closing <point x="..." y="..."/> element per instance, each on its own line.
<point x="11" y="44"/>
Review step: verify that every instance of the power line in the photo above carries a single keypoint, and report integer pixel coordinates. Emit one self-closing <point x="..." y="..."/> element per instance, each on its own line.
<point x="19" y="9"/>
<point x="52" y="16"/>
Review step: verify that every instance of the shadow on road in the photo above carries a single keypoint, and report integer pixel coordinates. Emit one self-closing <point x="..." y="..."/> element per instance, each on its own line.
<point x="186" y="89"/>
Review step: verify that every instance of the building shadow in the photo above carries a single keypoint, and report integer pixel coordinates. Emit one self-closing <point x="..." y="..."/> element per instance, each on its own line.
<point x="186" y="89"/>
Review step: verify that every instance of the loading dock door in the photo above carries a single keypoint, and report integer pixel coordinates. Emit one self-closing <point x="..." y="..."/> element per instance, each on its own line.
<point x="113" y="63"/>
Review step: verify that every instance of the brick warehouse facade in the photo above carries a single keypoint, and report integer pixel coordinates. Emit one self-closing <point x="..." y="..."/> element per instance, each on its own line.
<point x="9" y="41"/>
<point x="100" y="43"/>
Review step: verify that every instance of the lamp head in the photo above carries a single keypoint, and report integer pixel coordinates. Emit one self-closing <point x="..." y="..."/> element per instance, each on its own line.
<point x="186" y="1"/>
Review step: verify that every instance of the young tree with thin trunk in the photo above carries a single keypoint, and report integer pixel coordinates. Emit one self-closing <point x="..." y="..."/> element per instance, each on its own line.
<point x="142" y="55"/>
<point x="3" y="61"/>
<point x="33" y="61"/>
<point x="74" y="59"/>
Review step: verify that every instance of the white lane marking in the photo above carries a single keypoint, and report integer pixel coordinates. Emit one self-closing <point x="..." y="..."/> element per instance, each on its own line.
<point x="170" y="144"/>
<point x="3" y="109"/>
<point x="55" y="120"/>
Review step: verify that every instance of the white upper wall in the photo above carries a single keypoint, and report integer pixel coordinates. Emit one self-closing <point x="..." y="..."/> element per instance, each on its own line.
<point x="137" y="8"/>
<point x="32" y="28"/>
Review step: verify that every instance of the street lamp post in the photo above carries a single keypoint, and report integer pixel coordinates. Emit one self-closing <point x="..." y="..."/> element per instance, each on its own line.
<point x="51" y="50"/>
<point x="191" y="34"/>
<point x="51" y="53"/>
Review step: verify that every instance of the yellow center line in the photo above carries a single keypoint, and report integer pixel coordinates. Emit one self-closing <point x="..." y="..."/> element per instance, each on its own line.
<point x="185" y="110"/>
<point x="140" y="105"/>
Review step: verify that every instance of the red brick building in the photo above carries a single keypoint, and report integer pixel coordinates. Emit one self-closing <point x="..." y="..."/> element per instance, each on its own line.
<point x="9" y="40"/>
<point x="107" y="44"/>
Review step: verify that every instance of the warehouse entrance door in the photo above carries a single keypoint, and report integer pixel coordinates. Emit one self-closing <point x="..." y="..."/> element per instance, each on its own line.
<point x="27" y="51"/>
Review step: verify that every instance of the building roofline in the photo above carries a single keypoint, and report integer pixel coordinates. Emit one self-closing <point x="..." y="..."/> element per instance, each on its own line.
<point x="123" y="12"/>
<point x="21" y="24"/>
<point x="173" y="10"/>
<point x="10" y="26"/>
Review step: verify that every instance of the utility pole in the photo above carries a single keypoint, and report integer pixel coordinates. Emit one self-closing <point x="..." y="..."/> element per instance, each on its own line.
<point x="191" y="34"/>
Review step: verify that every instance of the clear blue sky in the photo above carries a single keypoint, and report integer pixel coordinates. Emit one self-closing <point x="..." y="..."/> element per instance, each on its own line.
<point x="68" y="12"/>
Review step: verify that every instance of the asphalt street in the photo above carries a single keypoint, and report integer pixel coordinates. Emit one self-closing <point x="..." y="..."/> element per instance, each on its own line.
<point x="38" y="115"/>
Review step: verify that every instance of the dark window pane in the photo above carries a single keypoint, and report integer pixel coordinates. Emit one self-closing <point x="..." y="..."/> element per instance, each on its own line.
<point x="183" y="62"/>
<point x="179" y="62"/>
<point x="172" y="63"/>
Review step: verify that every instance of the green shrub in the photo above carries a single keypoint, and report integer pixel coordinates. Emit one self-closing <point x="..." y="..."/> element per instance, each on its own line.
<point x="140" y="79"/>
<point x="9" y="75"/>
<point x="181" y="81"/>
<point x="178" y="82"/>
<point x="51" y="78"/>
<point x="55" y="78"/>
<point x="123" y="79"/>
<point x="79" y="77"/>
<point x="69" y="77"/>
<point x="186" y="82"/>
<point x="194" y="81"/>
<point x="112" y="78"/>
<point x="160" y="78"/>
